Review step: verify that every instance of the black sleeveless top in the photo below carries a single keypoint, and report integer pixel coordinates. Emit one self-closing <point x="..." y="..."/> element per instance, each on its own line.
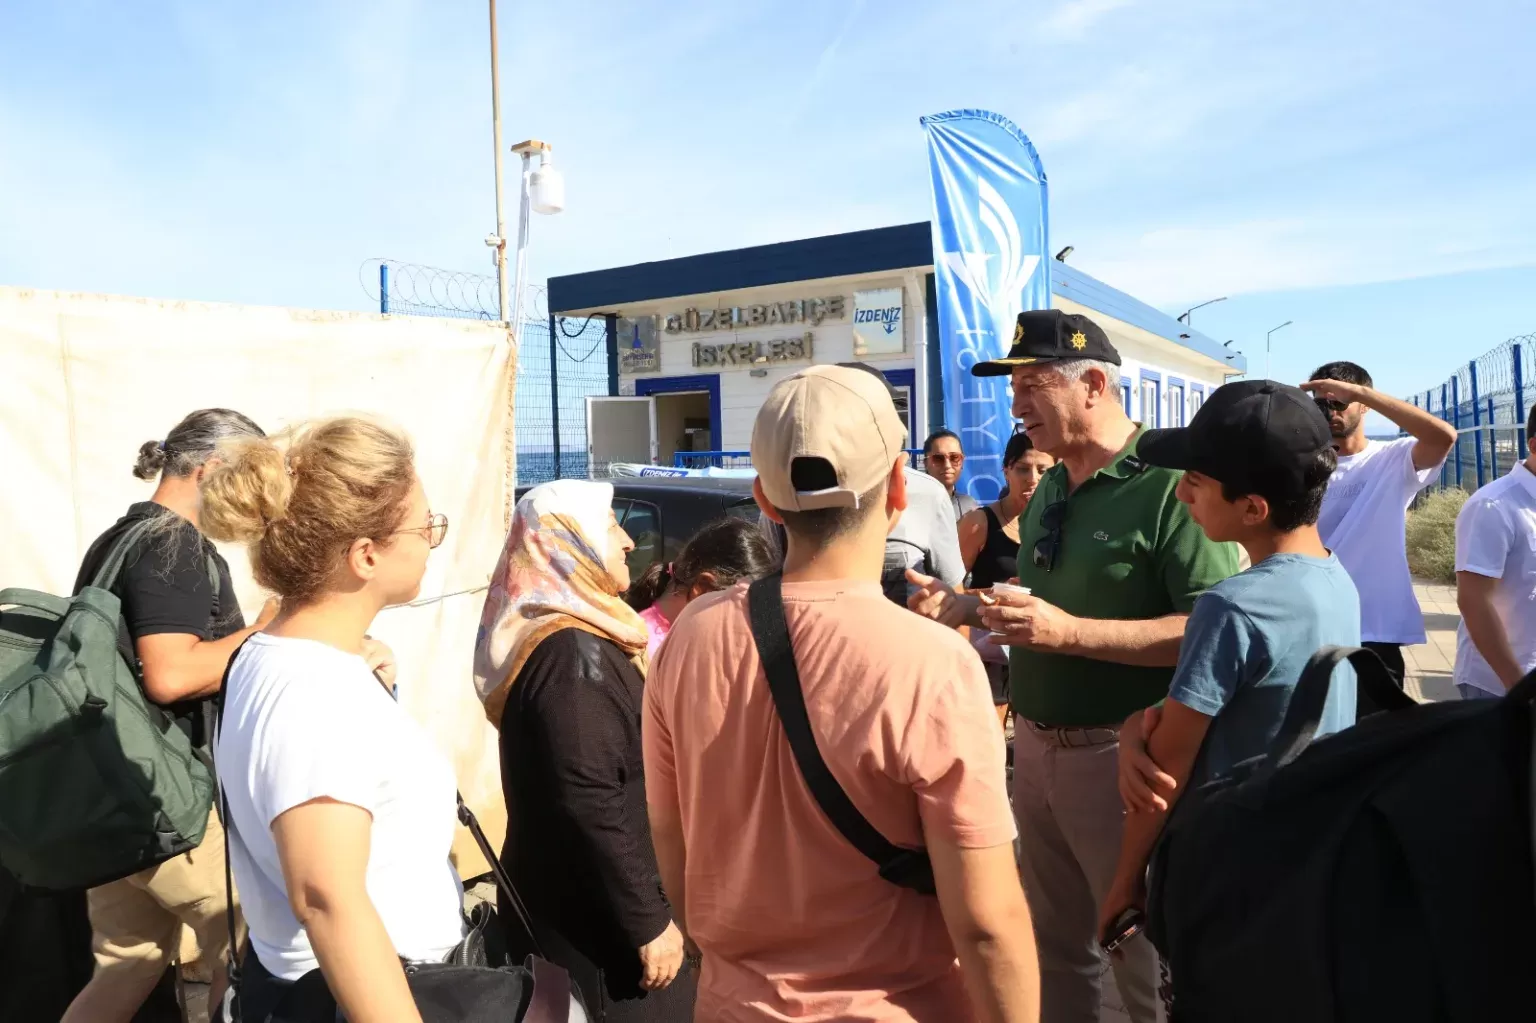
<point x="998" y="559"/>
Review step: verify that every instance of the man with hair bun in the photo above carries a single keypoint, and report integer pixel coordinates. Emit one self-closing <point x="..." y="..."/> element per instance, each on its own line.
<point x="184" y="635"/>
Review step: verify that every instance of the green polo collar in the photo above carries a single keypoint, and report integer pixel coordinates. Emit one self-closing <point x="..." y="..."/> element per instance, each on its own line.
<point x="1125" y="463"/>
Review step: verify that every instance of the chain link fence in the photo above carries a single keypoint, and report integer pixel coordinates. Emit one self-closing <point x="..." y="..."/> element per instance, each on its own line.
<point x="560" y="362"/>
<point x="1487" y="402"/>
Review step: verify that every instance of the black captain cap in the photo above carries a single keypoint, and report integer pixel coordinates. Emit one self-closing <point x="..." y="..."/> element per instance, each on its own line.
<point x="1049" y="335"/>
<point x="1257" y="436"/>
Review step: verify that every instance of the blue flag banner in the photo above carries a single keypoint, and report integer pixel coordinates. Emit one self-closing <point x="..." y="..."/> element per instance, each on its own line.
<point x="990" y="242"/>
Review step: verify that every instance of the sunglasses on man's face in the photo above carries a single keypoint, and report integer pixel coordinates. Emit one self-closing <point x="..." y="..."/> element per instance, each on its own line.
<point x="1330" y="405"/>
<point x="1048" y="547"/>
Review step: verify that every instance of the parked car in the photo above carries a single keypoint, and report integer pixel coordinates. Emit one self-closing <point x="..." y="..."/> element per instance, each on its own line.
<point x="663" y="513"/>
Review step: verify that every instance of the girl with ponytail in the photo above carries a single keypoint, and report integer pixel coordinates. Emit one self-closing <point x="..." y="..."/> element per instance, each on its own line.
<point x="721" y="554"/>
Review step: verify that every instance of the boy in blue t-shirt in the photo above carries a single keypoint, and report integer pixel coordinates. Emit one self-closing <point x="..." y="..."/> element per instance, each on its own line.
<point x="1256" y="461"/>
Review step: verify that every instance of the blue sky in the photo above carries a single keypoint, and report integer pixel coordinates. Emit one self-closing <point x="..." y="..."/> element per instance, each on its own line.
<point x="1364" y="169"/>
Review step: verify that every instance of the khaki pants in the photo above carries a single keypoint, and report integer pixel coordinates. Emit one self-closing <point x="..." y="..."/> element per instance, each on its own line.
<point x="1070" y="820"/>
<point x="136" y="921"/>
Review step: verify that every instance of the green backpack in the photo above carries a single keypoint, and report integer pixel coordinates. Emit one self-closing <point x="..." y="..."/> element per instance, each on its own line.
<point x="96" y="782"/>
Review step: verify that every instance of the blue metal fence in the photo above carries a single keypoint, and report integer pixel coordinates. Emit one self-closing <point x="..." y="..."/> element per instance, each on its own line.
<point x="1485" y="401"/>
<point x="559" y="363"/>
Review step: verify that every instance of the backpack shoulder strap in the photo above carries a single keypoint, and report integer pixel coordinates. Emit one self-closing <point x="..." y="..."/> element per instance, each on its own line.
<point x="117" y="555"/>
<point x="1305" y="712"/>
<point x="770" y="632"/>
<point x="215" y="583"/>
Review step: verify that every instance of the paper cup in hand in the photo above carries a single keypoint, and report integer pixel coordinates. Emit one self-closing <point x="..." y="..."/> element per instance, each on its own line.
<point x="1004" y="591"/>
<point x="1009" y="590"/>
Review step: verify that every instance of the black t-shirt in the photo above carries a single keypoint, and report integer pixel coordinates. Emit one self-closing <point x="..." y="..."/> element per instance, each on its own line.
<point x="164" y="588"/>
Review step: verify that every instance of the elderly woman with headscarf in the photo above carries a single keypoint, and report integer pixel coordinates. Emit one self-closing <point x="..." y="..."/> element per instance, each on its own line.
<point x="560" y="666"/>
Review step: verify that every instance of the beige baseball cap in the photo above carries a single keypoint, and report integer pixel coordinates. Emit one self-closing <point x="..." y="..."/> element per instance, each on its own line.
<point x="842" y="415"/>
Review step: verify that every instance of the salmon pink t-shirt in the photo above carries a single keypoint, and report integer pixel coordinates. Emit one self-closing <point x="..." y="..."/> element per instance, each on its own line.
<point x="794" y="922"/>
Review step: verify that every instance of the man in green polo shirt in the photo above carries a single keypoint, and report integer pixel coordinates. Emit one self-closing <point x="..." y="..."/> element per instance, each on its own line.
<point x="1114" y="564"/>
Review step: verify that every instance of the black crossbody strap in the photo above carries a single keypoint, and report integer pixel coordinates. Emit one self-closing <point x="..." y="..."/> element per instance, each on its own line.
<point x="503" y="879"/>
<point x="770" y="631"/>
<point x="229" y="830"/>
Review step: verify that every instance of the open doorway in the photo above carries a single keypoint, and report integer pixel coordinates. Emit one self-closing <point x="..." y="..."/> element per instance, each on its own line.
<point x="682" y="424"/>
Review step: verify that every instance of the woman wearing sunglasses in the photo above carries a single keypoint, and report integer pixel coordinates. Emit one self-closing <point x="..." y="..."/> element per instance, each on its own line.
<point x="943" y="459"/>
<point x="341" y="808"/>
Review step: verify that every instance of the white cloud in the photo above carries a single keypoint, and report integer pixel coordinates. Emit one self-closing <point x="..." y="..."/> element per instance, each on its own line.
<point x="824" y="63"/>
<point x="1073" y="19"/>
<point x="1313" y="247"/>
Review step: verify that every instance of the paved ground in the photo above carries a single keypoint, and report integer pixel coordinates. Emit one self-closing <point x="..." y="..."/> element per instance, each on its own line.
<point x="1429" y="678"/>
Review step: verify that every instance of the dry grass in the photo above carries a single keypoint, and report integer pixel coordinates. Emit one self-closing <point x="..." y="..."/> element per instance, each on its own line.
<point x="1432" y="535"/>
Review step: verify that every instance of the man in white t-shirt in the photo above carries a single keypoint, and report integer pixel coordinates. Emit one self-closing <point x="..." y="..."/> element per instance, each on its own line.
<point x="1496" y="582"/>
<point x="1365" y="509"/>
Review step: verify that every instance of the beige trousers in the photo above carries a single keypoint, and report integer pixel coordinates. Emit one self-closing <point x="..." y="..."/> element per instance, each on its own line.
<point x="136" y="922"/>
<point x="1070" y="821"/>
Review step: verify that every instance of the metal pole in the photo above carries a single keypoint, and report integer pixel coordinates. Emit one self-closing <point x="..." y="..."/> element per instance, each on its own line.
<point x="1445" y="415"/>
<point x="1477" y="421"/>
<point x="1456" y="422"/>
<point x="1519" y="403"/>
<point x="1493" y="445"/>
<point x="384" y="288"/>
<point x="918" y="407"/>
<point x="501" y="218"/>
<point x="554" y="395"/>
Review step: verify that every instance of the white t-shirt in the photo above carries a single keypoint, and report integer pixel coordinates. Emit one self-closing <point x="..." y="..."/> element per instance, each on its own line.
<point x="1363" y="521"/>
<point x="304" y="720"/>
<point x="1496" y="537"/>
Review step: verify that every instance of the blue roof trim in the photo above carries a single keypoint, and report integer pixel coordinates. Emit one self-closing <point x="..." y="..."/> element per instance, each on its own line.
<point x="836" y="255"/>
<point x="839" y="255"/>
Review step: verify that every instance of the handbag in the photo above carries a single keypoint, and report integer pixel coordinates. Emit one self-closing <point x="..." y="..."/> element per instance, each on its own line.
<point x="905" y="868"/>
<point x="475" y="983"/>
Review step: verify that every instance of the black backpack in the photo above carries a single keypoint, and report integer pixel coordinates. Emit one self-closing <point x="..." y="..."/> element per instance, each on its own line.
<point x="1381" y="873"/>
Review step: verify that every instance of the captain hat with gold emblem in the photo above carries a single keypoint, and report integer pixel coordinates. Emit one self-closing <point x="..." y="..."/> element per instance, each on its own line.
<point x="1049" y="335"/>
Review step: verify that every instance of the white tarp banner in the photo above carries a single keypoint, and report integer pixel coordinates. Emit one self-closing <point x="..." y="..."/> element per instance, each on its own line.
<point x="86" y="379"/>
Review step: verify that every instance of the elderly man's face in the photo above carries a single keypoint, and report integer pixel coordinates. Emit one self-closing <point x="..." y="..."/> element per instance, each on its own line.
<point x="1049" y="407"/>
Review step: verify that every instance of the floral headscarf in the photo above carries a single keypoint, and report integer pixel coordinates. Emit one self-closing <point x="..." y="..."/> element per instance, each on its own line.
<point x="551" y="576"/>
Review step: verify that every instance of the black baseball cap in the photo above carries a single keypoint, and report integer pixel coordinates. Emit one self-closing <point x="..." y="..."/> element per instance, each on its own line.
<point x="1049" y="335"/>
<point x="872" y="371"/>
<point x="1257" y="436"/>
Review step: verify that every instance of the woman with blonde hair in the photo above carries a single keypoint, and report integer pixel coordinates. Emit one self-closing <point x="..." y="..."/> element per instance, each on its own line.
<point x="341" y="809"/>
<point x="560" y="665"/>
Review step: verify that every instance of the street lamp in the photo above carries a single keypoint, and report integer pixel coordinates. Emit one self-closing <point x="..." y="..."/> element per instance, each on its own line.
<point x="1271" y="334"/>
<point x="1184" y="317"/>
<point x="544" y="192"/>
